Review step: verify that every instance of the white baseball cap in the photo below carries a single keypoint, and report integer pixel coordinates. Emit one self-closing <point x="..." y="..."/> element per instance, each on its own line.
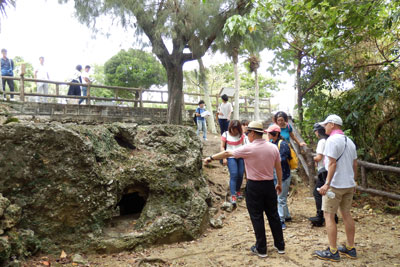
<point x="332" y="118"/>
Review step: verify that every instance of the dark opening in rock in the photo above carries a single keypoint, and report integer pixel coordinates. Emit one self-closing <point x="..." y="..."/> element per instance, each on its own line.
<point x="132" y="203"/>
<point x="123" y="142"/>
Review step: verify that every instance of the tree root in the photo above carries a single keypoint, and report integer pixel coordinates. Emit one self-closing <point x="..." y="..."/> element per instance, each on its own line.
<point x="151" y="261"/>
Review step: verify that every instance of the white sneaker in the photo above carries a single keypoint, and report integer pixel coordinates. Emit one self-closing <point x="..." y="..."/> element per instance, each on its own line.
<point x="280" y="251"/>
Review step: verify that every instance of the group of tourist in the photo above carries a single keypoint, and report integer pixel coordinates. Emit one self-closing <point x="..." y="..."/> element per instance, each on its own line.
<point x="264" y="161"/>
<point x="81" y="77"/>
<point x="41" y="73"/>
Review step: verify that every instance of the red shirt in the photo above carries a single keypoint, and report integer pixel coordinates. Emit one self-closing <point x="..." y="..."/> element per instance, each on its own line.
<point x="259" y="157"/>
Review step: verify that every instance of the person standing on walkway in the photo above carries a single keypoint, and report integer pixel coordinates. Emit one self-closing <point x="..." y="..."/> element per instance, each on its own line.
<point x="200" y="120"/>
<point x="76" y="78"/>
<point x="274" y="134"/>
<point x="282" y="120"/>
<point x="224" y="113"/>
<point x="85" y="80"/>
<point x="232" y="140"/>
<point x="260" y="158"/>
<point x="41" y="73"/>
<point x="341" y="163"/>
<point x="319" y="131"/>
<point x="7" y="70"/>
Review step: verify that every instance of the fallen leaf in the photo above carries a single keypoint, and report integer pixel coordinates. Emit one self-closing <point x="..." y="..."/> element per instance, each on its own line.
<point x="46" y="263"/>
<point x="63" y="255"/>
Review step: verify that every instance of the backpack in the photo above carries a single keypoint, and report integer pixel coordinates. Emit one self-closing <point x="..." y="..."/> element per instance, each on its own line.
<point x="292" y="160"/>
<point x="195" y="119"/>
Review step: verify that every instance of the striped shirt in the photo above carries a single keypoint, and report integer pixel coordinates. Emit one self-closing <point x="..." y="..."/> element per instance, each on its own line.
<point x="232" y="142"/>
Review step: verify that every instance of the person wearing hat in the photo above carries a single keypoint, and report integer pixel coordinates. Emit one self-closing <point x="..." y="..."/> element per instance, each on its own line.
<point x="319" y="131"/>
<point x="274" y="134"/>
<point x="260" y="159"/>
<point x="341" y="163"/>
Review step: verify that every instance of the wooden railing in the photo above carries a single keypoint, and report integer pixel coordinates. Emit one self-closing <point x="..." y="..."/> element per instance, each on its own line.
<point x="137" y="100"/>
<point x="306" y="159"/>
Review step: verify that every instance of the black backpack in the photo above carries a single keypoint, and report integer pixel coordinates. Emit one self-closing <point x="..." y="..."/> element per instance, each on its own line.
<point x="195" y="118"/>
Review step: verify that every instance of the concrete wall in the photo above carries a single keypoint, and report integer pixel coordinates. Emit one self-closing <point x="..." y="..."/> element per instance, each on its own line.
<point x="85" y="113"/>
<point x="96" y="113"/>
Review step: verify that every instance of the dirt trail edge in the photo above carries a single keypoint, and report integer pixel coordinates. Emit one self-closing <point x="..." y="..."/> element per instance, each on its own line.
<point x="377" y="236"/>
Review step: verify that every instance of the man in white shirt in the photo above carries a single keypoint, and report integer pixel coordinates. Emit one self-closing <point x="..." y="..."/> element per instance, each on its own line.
<point x="41" y="73"/>
<point x="341" y="163"/>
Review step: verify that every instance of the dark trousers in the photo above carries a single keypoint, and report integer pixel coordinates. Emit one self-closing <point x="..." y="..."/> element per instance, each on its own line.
<point x="223" y="125"/>
<point x="261" y="197"/>
<point x="317" y="196"/>
<point x="10" y="85"/>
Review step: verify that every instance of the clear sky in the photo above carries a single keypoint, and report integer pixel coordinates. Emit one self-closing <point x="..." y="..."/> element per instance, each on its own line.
<point x="46" y="28"/>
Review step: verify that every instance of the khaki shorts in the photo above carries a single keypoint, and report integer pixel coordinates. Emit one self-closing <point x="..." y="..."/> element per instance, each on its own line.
<point x="343" y="199"/>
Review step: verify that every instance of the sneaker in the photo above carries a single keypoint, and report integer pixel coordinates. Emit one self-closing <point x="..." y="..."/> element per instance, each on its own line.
<point x="327" y="255"/>
<point x="317" y="221"/>
<point x="233" y="200"/>
<point x="351" y="253"/>
<point x="254" y="250"/>
<point x="288" y="219"/>
<point x="283" y="225"/>
<point x="205" y="139"/>
<point x="239" y="195"/>
<point x="280" y="251"/>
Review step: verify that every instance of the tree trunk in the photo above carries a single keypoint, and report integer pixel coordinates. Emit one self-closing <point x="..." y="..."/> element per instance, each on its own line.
<point x="203" y="82"/>
<point x="298" y="87"/>
<point x="257" y="97"/>
<point x="175" y="93"/>
<point x="235" y="59"/>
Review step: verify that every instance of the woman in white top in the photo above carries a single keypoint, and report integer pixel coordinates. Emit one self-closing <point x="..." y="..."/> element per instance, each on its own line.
<point x="76" y="78"/>
<point x="322" y="173"/>
<point x="231" y="140"/>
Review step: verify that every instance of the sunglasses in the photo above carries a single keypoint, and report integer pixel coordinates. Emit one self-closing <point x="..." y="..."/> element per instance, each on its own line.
<point x="273" y="133"/>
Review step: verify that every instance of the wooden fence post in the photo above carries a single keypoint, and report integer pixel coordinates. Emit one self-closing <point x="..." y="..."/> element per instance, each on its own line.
<point x="363" y="177"/>
<point x="22" y="89"/>
<point x="141" y="97"/>
<point x="88" y="94"/>
<point x="311" y="169"/>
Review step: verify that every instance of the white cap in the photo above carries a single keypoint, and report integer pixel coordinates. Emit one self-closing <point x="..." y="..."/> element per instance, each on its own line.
<point x="332" y="118"/>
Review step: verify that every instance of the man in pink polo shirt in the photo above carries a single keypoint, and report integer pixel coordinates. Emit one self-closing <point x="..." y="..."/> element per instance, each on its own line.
<point x="260" y="158"/>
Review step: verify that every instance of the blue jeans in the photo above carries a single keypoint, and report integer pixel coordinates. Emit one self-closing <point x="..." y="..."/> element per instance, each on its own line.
<point x="84" y="93"/>
<point x="283" y="209"/>
<point x="202" y="126"/>
<point x="236" y="171"/>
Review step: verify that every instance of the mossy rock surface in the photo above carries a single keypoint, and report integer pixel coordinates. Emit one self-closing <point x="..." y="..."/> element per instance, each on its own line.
<point x="69" y="179"/>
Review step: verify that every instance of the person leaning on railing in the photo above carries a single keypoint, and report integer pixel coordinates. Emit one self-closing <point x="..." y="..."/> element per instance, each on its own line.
<point x="282" y="120"/>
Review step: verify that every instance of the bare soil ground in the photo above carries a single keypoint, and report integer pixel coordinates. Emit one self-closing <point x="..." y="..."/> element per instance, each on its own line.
<point x="377" y="236"/>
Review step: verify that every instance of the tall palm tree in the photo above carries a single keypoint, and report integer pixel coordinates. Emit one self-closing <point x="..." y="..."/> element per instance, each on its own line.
<point x="4" y="4"/>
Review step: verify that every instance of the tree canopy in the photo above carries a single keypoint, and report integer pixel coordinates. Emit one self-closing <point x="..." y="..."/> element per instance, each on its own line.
<point x="134" y="68"/>
<point x="170" y="26"/>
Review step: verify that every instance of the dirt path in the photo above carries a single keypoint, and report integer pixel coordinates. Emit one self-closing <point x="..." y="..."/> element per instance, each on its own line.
<point x="377" y="236"/>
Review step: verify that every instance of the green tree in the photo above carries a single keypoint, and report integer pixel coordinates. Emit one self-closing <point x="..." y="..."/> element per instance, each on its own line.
<point x="193" y="24"/>
<point x="18" y="61"/>
<point x="319" y="37"/>
<point x="133" y="68"/>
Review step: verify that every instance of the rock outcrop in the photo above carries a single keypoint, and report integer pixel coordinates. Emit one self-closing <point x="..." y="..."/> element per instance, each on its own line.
<point x="75" y="184"/>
